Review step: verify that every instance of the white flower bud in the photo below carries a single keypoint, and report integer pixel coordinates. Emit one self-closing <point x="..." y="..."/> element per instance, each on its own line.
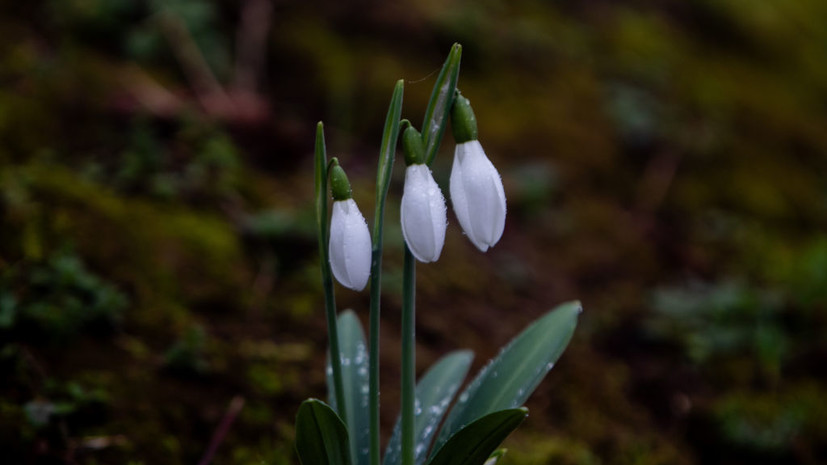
<point x="423" y="214"/>
<point x="350" y="245"/>
<point x="477" y="195"/>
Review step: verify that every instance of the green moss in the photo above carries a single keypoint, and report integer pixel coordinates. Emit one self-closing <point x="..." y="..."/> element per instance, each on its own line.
<point x="267" y="380"/>
<point x="540" y="450"/>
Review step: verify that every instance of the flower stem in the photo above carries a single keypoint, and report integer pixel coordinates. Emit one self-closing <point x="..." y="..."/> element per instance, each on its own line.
<point x="408" y="357"/>
<point x="387" y="151"/>
<point x="321" y="169"/>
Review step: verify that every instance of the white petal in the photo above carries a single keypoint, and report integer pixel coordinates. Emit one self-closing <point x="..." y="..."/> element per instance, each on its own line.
<point x="477" y="195"/>
<point x="423" y="214"/>
<point x="337" y="245"/>
<point x="350" y="245"/>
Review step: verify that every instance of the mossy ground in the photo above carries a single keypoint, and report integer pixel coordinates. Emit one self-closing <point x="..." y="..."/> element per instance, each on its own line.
<point x="664" y="162"/>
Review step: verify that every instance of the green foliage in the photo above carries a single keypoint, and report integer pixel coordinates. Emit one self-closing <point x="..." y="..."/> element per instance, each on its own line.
<point x="321" y="436"/>
<point x="140" y="30"/>
<point x="434" y="393"/>
<point x="723" y="320"/>
<point x="759" y="424"/>
<point x="59" y="298"/>
<point x="63" y="401"/>
<point x="748" y="341"/>
<point x="771" y="423"/>
<point x="477" y="441"/>
<point x="511" y="377"/>
<point x="354" y="357"/>
<point x="441" y="103"/>
<point x="210" y="165"/>
<point x="589" y="106"/>
<point x="484" y="414"/>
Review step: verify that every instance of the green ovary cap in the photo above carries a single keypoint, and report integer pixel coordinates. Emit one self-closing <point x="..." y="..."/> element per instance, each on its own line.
<point x="463" y="121"/>
<point x="339" y="185"/>
<point x="412" y="147"/>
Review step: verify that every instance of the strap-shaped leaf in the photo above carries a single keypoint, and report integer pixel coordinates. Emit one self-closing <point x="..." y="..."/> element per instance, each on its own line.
<point x="354" y="361"/>
<point x="439" y="106"/>
<point x="473" y="444"/>
<point x="321" y="437"/>
<point x="390" y="136"/>
<point x="327" y="280"/>
<point x="387" y="151"/>
<point x="510" y="378"/>
<point x="434" y="393"/>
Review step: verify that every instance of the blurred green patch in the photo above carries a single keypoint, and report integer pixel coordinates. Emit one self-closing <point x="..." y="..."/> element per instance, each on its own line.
<point x="58" y="299"/>
<point x="717" y="320"/>
<point x="187" y="354"/>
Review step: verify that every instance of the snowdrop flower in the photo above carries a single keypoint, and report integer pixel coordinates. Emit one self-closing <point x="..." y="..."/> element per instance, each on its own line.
<point x="350" y="244"/>
<point x="476" y="187"/>
<point x="423" y="211"/>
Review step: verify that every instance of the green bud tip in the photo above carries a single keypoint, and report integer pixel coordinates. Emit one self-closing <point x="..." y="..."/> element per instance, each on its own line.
<point x="339" y="185"/>
<point x="463" y="121"/>
<point x="412" y="146"/>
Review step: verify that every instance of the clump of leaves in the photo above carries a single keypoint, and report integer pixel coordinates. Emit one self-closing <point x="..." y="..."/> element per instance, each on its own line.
<point x="760" y="422"/>
<point x="200" y="163"/>
<point x="64" y="400"/>
<point x="712" y="321"/>
<point x="59" y="297"/>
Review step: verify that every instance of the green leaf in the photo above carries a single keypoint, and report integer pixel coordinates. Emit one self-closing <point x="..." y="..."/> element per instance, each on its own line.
<point x="508" y="380"/>
<point x="474" y="444"/>
<point x="387" y="150"/>
<point x="390" y="136"/>
<point x="354" y="358"/>
<point x="321" y="436"/>
<point x="320" y="181"/>
<point x="320" y="176"/>
<point x="434" y="393"/>
<point x="439" y="106"/>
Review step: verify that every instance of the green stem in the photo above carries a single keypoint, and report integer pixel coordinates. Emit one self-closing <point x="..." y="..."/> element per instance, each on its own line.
<point x="321" y="170"/>
<point x="387" y="151"/>
<point x="408" y="357"/>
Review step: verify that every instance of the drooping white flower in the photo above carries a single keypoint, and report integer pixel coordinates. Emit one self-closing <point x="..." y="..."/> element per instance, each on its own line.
<point x="350" y="245"/>
<point x="423" y="214"/>
<point x="476" y="187"/>
<point x="477" y="195"/>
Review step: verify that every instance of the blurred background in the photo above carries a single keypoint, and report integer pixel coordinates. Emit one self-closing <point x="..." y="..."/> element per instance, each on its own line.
<point x="664" y="161"/>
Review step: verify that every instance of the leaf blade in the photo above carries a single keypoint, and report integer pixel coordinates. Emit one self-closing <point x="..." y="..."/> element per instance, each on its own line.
<point x="320" y="177"/>
<point x="390" y="136"/>
<point x="387" y="150"/>
<point x="439" y="105"/>
<point x="434" y="393"/>
<point x="510" y="378"/>
<point x="474" y="444"/>
<point x="354" y="361"/>
<point x="321" y="436"/>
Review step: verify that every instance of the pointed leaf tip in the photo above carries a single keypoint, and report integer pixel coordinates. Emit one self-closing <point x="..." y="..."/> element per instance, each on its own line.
<point x="510" y="378"/>
<point x="321" y="436"/>
<point x="474" y="444"/>
<point x="439" y="105"/>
